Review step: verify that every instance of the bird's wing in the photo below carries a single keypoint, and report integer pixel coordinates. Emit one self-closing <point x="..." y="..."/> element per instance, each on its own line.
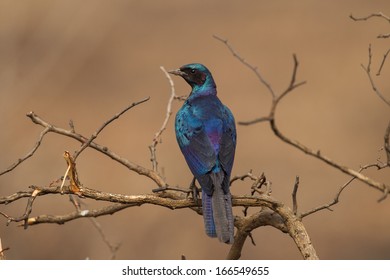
<point x="227" y="147"/>
<point x="194" y="143"/>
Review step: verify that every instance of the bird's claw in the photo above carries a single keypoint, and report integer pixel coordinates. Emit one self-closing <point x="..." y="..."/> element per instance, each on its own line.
<point x="194" y="191"/>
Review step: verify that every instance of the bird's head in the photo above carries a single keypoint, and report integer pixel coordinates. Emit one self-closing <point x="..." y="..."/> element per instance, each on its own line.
<point x="197" y="76"/>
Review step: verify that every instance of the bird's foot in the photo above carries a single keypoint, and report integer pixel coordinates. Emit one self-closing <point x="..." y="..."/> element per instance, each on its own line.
<point x="194" y="191"/>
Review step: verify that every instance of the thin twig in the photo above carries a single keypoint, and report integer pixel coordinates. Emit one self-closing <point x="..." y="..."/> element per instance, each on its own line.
<point x="105" y="124"/>
<point x="27" y="212"/>
<point x="380" y="15"/>
<point x="328" y="205"/>
<point x="30" y="153"/>
<point x="383" y="36"/>
<point x="367" y="69"/>
<point x="383" y="62"/>
<point x="338" y="194"/>
<point x="291" y="86"/>
<point x="157" y="135"/>
<point x="113" y="248"/>
<point x="254" y="69"/>
<point x="294" y="195"/>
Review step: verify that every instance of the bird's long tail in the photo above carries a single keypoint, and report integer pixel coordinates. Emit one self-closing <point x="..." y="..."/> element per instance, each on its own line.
<point x="217" y="211"/>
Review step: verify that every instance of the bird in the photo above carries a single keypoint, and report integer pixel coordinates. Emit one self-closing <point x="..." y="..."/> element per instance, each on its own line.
<point x="206" y="134"/>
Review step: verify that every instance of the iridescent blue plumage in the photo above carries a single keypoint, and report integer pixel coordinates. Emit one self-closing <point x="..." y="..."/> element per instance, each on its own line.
<point x="206" y="133"/>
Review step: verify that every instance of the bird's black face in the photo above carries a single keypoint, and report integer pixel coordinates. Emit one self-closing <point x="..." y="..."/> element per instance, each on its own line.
<point x="192" y="75"/>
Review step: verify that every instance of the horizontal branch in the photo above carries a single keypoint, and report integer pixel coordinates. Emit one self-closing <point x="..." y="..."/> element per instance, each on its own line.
<point x="379" y="15"/>
<point x="281" y="217"/>
<point x="62" y="219"/>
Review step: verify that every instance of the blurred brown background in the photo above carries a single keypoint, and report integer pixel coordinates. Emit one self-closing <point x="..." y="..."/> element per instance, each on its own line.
<point x="86" y="60"/>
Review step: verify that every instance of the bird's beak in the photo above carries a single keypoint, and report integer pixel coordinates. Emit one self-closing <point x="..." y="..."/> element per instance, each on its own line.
<point x="177" y="72"/>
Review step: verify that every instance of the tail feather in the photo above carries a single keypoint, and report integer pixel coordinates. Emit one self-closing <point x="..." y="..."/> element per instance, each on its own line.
<point x="217" y="211"/>
<point x="208" y="215"/>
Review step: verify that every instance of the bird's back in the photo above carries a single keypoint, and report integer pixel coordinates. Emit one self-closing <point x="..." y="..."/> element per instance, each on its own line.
<point x="205" y="131"/>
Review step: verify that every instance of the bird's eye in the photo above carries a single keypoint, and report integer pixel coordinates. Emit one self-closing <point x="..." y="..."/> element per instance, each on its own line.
<point x="193" y="71"/>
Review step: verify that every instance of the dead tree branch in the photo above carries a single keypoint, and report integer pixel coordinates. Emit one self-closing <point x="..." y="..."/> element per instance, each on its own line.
<point x="104" y="150"/>
<point x="383" y="62"/>
<point x="157" y="135"/>
<point x="384" y="188"/>
<point x="105" y="124"/>
<point x="269" y="211"/>
<point x="367" y="69"/>
<point x="373" y="15"/>
<point x="254" y="69"/>
<point x="29" y="154"/>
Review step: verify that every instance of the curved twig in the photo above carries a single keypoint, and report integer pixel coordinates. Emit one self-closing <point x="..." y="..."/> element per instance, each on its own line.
<point x="105" y="124"/>
<point x="29" y="154"/>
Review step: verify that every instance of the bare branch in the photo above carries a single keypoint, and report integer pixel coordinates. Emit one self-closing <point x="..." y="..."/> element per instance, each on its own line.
<point x="380" y="15"/>
<point x="254" y="69"/>
<point x="246" y="225"/>
<point x="279" y="216"/>
<point x="29" y="154"/>
<point x="157" y="135"/>
<point x="292" y="85"/>
<point x="338" y="194"/>
<point x="383" y="36"/>
<point x="317" y="154"/>
<point x="104" y="150"/>
<point x="113" y="248"/>
<point x="327" y="205"/>
<point x="368" y="72"/>
<point x="383" y="62"/>
<point x="254" y="121"/>
<point x="28" y="211"/>
<point x="294" y="195"/>
<point x="62" y="219"/>
<point x="105" y="124"/>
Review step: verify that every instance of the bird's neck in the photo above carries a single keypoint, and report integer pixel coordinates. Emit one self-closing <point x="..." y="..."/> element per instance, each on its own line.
<point x="203" y="90"/>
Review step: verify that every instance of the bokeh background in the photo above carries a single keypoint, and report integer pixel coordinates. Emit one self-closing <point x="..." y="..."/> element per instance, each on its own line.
<point x="87" y="60"/>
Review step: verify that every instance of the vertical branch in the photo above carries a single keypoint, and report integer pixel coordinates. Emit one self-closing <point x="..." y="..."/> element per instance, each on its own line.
<point x="387" y="143"/>
<point x="383" y="62"/>
<point x="368" y="72"/>
<point x="168" y="114"/>
<point x="294" y="195"/>
<point x="157" y="135"/>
